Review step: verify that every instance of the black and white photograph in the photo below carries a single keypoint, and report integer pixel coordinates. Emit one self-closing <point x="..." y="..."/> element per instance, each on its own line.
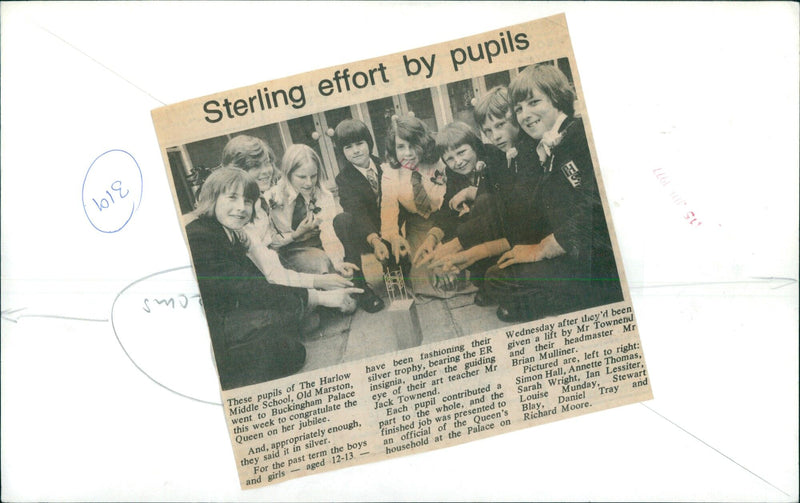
<point x="394" y="223"/>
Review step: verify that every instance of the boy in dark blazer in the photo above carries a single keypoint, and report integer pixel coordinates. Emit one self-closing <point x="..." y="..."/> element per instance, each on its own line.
<point x="359" y="183"/>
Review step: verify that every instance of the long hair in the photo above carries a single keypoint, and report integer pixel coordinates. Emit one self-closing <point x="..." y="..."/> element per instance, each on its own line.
<point x="297" y="155"/>
<point x="222" y="181"/>
<point x="550" y="81"/>
<point x="416" y="133"/>
<point x="294" y="157"/>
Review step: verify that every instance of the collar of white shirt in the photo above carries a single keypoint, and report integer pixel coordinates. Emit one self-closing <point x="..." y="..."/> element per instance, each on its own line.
<point x="292" y="194"/>
<point x="371" y="167"/>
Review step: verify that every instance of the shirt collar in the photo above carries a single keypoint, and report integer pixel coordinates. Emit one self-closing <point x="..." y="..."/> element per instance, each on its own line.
<point x="291" y="193"/>
<point x="371" y="167"/>
<point x="559" y="120"/>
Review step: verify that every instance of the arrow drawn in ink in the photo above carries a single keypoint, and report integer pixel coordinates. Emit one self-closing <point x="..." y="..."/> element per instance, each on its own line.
<point x="786" y="281"/>
<point x="14" y="315"/>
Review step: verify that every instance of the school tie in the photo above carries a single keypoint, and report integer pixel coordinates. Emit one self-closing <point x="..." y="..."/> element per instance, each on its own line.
<point x="300" y="211"/>
<point x="421" y="199"/>
<point x="372" y="178"/>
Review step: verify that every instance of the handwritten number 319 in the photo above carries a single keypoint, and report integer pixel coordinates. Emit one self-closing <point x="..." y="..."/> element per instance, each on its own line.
<point x="116" y="186"/>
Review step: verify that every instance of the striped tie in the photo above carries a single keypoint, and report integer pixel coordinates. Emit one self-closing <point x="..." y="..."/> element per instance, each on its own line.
<point x="372" y="178"/>
<point x="421" y="199"/>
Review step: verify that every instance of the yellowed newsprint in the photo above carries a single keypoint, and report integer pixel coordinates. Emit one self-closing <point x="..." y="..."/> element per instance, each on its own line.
<point x="404" y="253"/>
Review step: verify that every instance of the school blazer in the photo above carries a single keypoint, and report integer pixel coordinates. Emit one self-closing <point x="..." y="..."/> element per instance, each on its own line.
<point x="356" y="196"/>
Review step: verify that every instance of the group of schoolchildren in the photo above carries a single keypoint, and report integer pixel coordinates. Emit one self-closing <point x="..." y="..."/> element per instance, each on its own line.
<point x="521" y="217"/>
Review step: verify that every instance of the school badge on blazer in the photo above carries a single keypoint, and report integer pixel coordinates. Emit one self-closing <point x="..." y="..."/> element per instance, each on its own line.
<point x="572" y="173"/>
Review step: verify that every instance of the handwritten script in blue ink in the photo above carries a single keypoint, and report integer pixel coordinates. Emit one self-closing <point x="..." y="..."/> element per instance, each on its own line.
<point x="112" y="190"/>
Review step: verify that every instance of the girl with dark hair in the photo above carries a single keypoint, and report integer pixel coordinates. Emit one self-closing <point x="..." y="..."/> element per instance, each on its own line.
<point x="413" y="185"/>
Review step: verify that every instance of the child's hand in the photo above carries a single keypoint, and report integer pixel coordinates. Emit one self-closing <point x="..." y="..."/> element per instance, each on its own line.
<point x="520" y="254"/>
<point x="400" y="247"/>
<point x="340" y="299"/>
<point x="442" y="252"/>
<point x="248" y="236"/>
<point x="425" y="251"/>
<point x="463" y="198"/>
<point x="380" y="249"/>
<point x="331" y="282"/>
<point x="309" y="227"/>
<point x="547" y="248"/>
<point x="346" y="269"/>
<point x="457" y="261"/>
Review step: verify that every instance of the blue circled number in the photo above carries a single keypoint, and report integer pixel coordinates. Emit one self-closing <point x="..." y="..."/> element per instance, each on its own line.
<point x="112" y="190"/>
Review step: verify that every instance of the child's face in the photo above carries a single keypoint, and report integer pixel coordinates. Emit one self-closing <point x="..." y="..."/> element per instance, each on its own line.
<point x="232" y="209"/>
<point x="304" y="178"/>
<point x="264" y="173"/>
<point x="536" y="115"/>
<point x="461" y="159"/>
<point x="407" y="154"/>
<point x="501" y="132"/>
<point x="357" y="154"/>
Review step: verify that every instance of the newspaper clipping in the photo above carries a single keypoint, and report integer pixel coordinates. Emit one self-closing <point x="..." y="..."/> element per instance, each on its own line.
<point x="404" y="253"/>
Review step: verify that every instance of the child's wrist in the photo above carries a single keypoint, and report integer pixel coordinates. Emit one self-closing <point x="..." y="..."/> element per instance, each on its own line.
<point x="437" y="234"/>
